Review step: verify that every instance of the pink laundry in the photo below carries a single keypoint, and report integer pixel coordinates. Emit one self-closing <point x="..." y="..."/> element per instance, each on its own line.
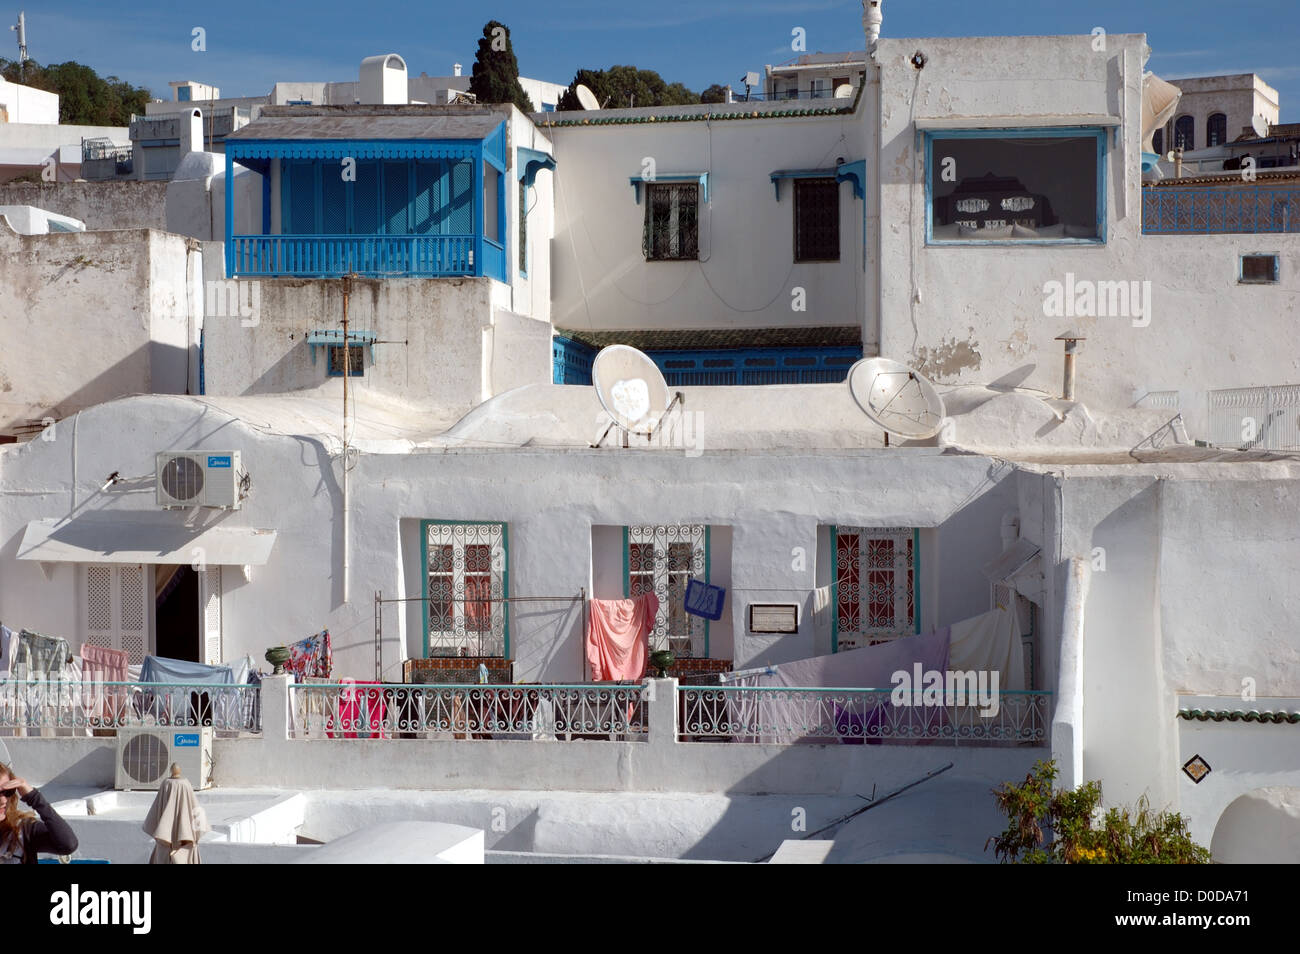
<point x="618" y="637"/>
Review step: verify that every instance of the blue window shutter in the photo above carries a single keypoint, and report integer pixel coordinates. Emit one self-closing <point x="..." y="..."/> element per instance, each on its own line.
<point x="425" y="200"/>
<point x="396" y="198"/>
<point x="365" y="198"/>
<point x="460" y="207"/>
<point x="334" y="198"/>
<point x="302" y="199"/>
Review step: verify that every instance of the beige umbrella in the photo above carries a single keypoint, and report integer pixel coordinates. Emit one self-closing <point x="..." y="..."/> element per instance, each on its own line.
<point x="175" y="821"/>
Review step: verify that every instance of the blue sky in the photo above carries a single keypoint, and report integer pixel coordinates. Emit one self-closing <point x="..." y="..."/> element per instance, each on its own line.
<point x="251" y="45"/>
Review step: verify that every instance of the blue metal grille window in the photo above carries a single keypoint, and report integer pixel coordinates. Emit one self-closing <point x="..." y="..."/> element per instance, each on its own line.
<point x="816" y="220"/>
<point x="356" y="361"/>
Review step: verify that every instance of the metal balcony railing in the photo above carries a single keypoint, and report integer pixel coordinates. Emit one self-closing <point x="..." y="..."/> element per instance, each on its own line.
<point x="789" y="715"/>
<point x="387" y="711"/>
<point x="39" y="707"/>
<point x="1259" y="418"/>
<point x="1204" y="211"/>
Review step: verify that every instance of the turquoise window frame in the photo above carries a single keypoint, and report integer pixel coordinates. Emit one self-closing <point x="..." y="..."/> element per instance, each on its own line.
<point x="1100" y="133"/>
<point x="424" y="572"/>
<point x="708" y="563"/>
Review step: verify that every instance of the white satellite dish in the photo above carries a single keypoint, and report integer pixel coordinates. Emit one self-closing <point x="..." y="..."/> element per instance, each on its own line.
<point x="1260" y="125"/>
<point x="631" y="389"/>
<point x="586" y="97"/>
<point x="843" y="91"/>
<point x="897" y="398"/>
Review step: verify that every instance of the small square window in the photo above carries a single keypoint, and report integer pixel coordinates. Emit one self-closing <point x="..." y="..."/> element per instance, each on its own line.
<point x="357" y="361"/>
<point x="671" y="221"/>
<point x="1259" y="269"/>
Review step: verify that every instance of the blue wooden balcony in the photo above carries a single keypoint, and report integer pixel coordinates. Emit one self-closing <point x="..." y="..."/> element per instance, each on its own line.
<point x="418" y="193"/>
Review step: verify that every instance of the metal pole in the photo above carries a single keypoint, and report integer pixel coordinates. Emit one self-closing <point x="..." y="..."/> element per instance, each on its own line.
<point x="347" y="369"/>
<point x="1067" y="386"/>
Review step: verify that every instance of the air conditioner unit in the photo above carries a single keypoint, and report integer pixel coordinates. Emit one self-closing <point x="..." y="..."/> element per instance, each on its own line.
<point x="200" y="479"/>
<point x="145" y="755"/>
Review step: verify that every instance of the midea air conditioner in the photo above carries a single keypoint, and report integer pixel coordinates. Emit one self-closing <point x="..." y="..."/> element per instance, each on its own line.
<point x="200" y="479"/>
<point x="145" y="755"/>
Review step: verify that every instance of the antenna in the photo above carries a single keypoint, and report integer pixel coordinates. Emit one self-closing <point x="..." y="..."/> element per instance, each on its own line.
<point x="750" y="80"/>
<point x="897" y="398"/>
<point x="21" y="28"/>
<point x="632" y="390"/>
<point x="586" y="98"/>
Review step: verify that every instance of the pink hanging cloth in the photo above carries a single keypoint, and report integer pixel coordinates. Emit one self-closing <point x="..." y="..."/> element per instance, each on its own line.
<point x="618" y="637"/>
<point x="101" y="664"/>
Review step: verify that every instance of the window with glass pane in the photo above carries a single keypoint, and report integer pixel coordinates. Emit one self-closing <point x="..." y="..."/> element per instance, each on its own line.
<point x="875" y="585"/>
<point x="1216" y="130"/>
<point x="816" y="220"/>
<point x="662" y="560"/>
<point x="1185" y="133"/>
<point x="466" y="588"/>
<point x="1003" y="186"/>
<point x="671" y="221"/>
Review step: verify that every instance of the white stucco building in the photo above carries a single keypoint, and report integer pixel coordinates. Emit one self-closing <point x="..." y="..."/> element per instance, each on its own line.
<point x="958" y="212"/>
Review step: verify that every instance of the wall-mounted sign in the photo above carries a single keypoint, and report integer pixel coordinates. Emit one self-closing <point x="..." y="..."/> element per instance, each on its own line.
<point x="703" y="599"/>
<point x="780" y="618"/>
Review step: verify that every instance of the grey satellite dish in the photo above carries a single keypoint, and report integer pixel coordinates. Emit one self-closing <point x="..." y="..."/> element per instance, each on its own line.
<point x="897" y="398"/>
<point x="631" y="389"/>
<point x="843" y="91"/>
<point x="1260" y="125"/>
<point x="586" y="98"/>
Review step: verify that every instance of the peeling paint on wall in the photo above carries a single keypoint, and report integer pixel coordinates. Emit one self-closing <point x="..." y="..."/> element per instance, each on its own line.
<point x="948" y="359"/>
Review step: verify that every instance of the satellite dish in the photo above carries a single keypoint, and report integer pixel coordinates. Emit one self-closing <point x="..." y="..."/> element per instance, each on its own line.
<point x="586" y="97"/>
<point x="1260" y="125"/>
<point x="843" y="91"/>
<point x="631" y="388"/>
<point x="897" y="398"/>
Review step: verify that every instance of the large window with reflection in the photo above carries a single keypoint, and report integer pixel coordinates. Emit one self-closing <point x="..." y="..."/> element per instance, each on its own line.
<point x="1016" y="185"/>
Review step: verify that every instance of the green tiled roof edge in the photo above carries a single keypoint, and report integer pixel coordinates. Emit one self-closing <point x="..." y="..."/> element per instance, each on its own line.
<point x="1240" y="715"/>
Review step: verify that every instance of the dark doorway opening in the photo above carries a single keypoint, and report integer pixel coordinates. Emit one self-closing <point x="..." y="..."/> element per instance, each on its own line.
<point x="177" y="613"/>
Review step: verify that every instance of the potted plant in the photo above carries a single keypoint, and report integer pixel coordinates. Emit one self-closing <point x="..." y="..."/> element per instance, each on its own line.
<point x="277" y="656"/>
<point x="662" y="660"/>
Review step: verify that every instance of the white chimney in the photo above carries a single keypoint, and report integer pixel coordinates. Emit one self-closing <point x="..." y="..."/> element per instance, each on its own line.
<point x="455" y="69"/>
<point x="191" y="132"/>
<point x="383" y="81"/>
<point x="872" y="14"/>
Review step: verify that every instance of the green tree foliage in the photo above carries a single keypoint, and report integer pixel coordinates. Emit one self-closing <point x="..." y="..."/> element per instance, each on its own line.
<point x="85" y="98"/>
<point x="495" y="78"/>
<point x="1123" y="835"/>
<point x="622" y="86"/>
<point x="714" y="94"/>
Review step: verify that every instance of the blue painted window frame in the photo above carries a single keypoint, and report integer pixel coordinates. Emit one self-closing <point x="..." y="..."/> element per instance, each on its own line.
<point x="1241" y="268"/>
<point x="329" y="361"/>
<point x="1102" y="135"/>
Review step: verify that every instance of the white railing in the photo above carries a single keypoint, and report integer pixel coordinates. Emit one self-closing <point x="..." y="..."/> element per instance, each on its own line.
<point x="41" y="707"/>
<point x="386" y="711"/>
<point x="1258" y="418"/>
<point x="789" y="715"/>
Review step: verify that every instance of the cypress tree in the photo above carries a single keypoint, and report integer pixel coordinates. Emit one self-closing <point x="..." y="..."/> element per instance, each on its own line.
<point x="495" y="78"/>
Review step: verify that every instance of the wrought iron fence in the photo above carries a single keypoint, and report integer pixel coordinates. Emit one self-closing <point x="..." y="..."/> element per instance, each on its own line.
<point x="1260" y="418"/>
<point x="789" y="715"/>
<point x="388" y="711"/>
<point x="1200" y="211"/>
<point x="39" y="707"/>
